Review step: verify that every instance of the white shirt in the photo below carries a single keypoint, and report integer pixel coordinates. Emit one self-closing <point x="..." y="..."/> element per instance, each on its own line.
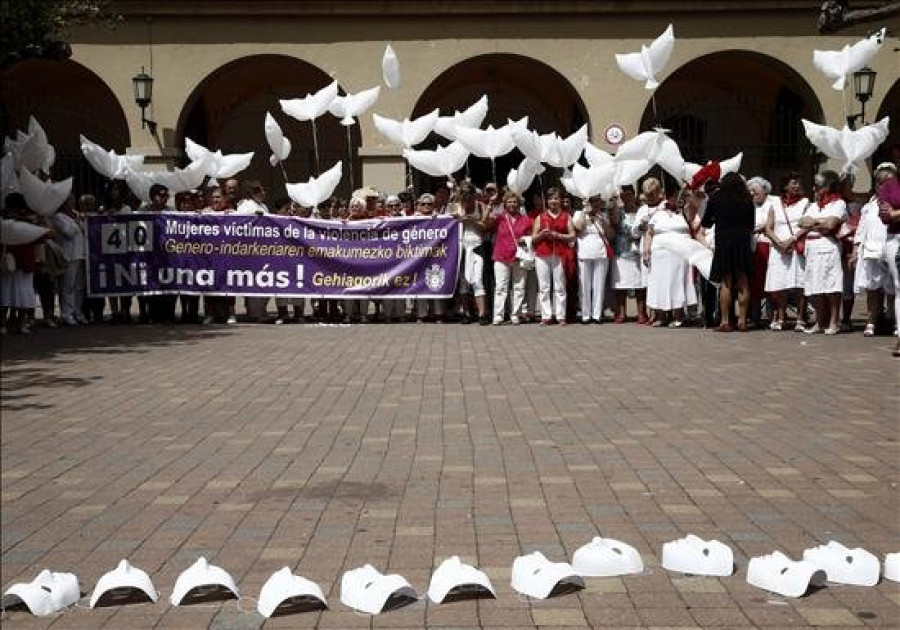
<point x="590" y="241"/>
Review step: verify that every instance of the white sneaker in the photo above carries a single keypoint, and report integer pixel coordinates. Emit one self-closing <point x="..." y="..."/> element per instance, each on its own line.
<point x="279" y="322"/>
<point x="869" y="331"/>
<point x="514" y="320"/>
<point x="832" y="331"/>
<point x="813" y="330"/>
<point x="799" y="327"/>
<point x="775" y="326"/>
<point x="231" y="321"/>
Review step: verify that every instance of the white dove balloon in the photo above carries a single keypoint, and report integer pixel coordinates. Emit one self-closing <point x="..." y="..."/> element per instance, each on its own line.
<point x="178" y="180"/>
<point x="531" y="143"/>
<point x="281" y="146"/>
<point x="218" y="165"/>
<point x="406" y="133"/>
<point x="310" y="106"/>
<point x="14" y="232"/>
<point x="31" y="150"/>
<point x="471" y="117"/>
<point x="351" y="105"/>
<point x="109" y="163"/>
<point x="657" y="148"/>
<point x="442" y="162"/>
<point x="390" y="68"/>
<point x="851" y="147"/>
<point x="519" y="179"/>
<point x="486" y="143"/>
<point x="311" y="193"/>
<point x="564" y="153"/>
<point x="596" y="156"/>
<point x="649" y="62"/>
<point x="589" y="182"/>
<point x="731" y="165"/>
<point x="45" y="198"/>
<point x="628" y="172"/>
<point x="839" y="64"/>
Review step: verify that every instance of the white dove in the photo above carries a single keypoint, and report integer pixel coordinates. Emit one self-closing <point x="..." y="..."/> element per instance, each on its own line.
<point x="839" y="64"/>
<point x="310" y="106"/>
<point x="315" y="190"/>
<point x="351" y="105"/>
<point x="406" y="133"/>
<point x="849" y="146"/>
<point x="281" y="146"/>
<point x="442" y="162"/>
<point x="649" y="62"/>
<point x="218" y="166"/>
<point x="471" y="117"/>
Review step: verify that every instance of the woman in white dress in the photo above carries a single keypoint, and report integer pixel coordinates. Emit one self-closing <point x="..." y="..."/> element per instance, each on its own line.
<point x="626" y="267"/>
<point x="670" y="286"/>
<point x="873" y="273"/>
<point x="592" y="230"/>
<point x="785" y="271"/>
<point x="823" y="281"/>
<point x="652" y="192"/>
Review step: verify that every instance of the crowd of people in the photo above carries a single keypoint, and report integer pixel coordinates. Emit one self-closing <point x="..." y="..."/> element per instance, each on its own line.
<point x="549" y="259"/>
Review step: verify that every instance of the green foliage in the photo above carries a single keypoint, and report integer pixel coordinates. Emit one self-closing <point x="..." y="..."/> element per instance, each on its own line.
<point x="38" y="28"/>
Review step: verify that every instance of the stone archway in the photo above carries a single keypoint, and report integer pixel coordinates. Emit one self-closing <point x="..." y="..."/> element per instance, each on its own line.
<point x="737" y="100"/>
<point x="516" y="86"/>
<point x="67" y="99"/>
<point x="227" y="111"/>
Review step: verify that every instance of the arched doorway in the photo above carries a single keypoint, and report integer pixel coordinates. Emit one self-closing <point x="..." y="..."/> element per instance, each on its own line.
<point x="67" y="99"/>
<point x="726" y="102"/>
<point x="889" y="151"/>
<point x="516" y="86"/>
<point x="227" y="111"/>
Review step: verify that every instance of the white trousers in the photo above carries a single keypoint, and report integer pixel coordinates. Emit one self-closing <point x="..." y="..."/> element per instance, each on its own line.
<point x="890" y="252"/>
<point x="503" y="273"/>
<point x="592" y="285"/>
<point x="551" y="283"/>
<point x="72" y="290"/>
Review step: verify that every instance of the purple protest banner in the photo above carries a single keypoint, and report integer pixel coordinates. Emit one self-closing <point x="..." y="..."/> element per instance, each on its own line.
<point x="264" y="255"/>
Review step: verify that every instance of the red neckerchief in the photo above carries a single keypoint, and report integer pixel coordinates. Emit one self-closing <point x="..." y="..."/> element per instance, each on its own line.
<point x="827" y="199"/>
<point x="790" y="200"/>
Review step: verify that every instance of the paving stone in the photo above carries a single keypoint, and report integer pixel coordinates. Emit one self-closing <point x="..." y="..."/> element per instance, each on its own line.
<point x="326" y="448"/>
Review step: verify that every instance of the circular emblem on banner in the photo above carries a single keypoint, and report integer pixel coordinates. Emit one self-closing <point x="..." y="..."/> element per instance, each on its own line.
<point x="434" y="277"/>
<point x="614" y="134"/>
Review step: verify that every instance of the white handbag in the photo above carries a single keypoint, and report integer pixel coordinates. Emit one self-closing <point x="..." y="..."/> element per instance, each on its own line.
<point x="873" y="250"/>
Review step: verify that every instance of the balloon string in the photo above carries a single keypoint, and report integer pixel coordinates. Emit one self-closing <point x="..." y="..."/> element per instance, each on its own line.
<point x="315" y="146"/>
<point x="494" y="170"/>
<point x="662" y="175"/>
<point x="350" y="158"/>
<point x="283" y="172"/>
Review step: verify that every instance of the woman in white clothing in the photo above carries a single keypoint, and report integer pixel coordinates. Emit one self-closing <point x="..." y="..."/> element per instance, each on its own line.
<point x="823" y="281"/>
<point x="654" y="200"/>
<point x="592" y="229"/>
<point x="873" y="273"/>
<point x="69" y="234"/>
<point x="785" y="271"/>
<point x="670" y="286"/>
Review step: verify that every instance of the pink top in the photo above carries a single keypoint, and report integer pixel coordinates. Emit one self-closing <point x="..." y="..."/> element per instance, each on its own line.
<point x="509" y="230"/>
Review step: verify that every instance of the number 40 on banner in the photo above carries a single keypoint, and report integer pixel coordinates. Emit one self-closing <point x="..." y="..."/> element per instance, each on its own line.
<point x="131" y="236"/>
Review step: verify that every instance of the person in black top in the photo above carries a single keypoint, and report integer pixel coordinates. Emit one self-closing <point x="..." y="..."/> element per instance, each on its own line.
<point x="732" y="212"/>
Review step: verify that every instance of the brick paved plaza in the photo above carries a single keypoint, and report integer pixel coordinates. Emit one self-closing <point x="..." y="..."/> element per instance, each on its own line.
<point x="325" y="448"/>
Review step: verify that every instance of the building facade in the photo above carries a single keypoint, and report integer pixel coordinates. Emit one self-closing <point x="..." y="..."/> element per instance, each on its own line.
<point x="740" y="78"/>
